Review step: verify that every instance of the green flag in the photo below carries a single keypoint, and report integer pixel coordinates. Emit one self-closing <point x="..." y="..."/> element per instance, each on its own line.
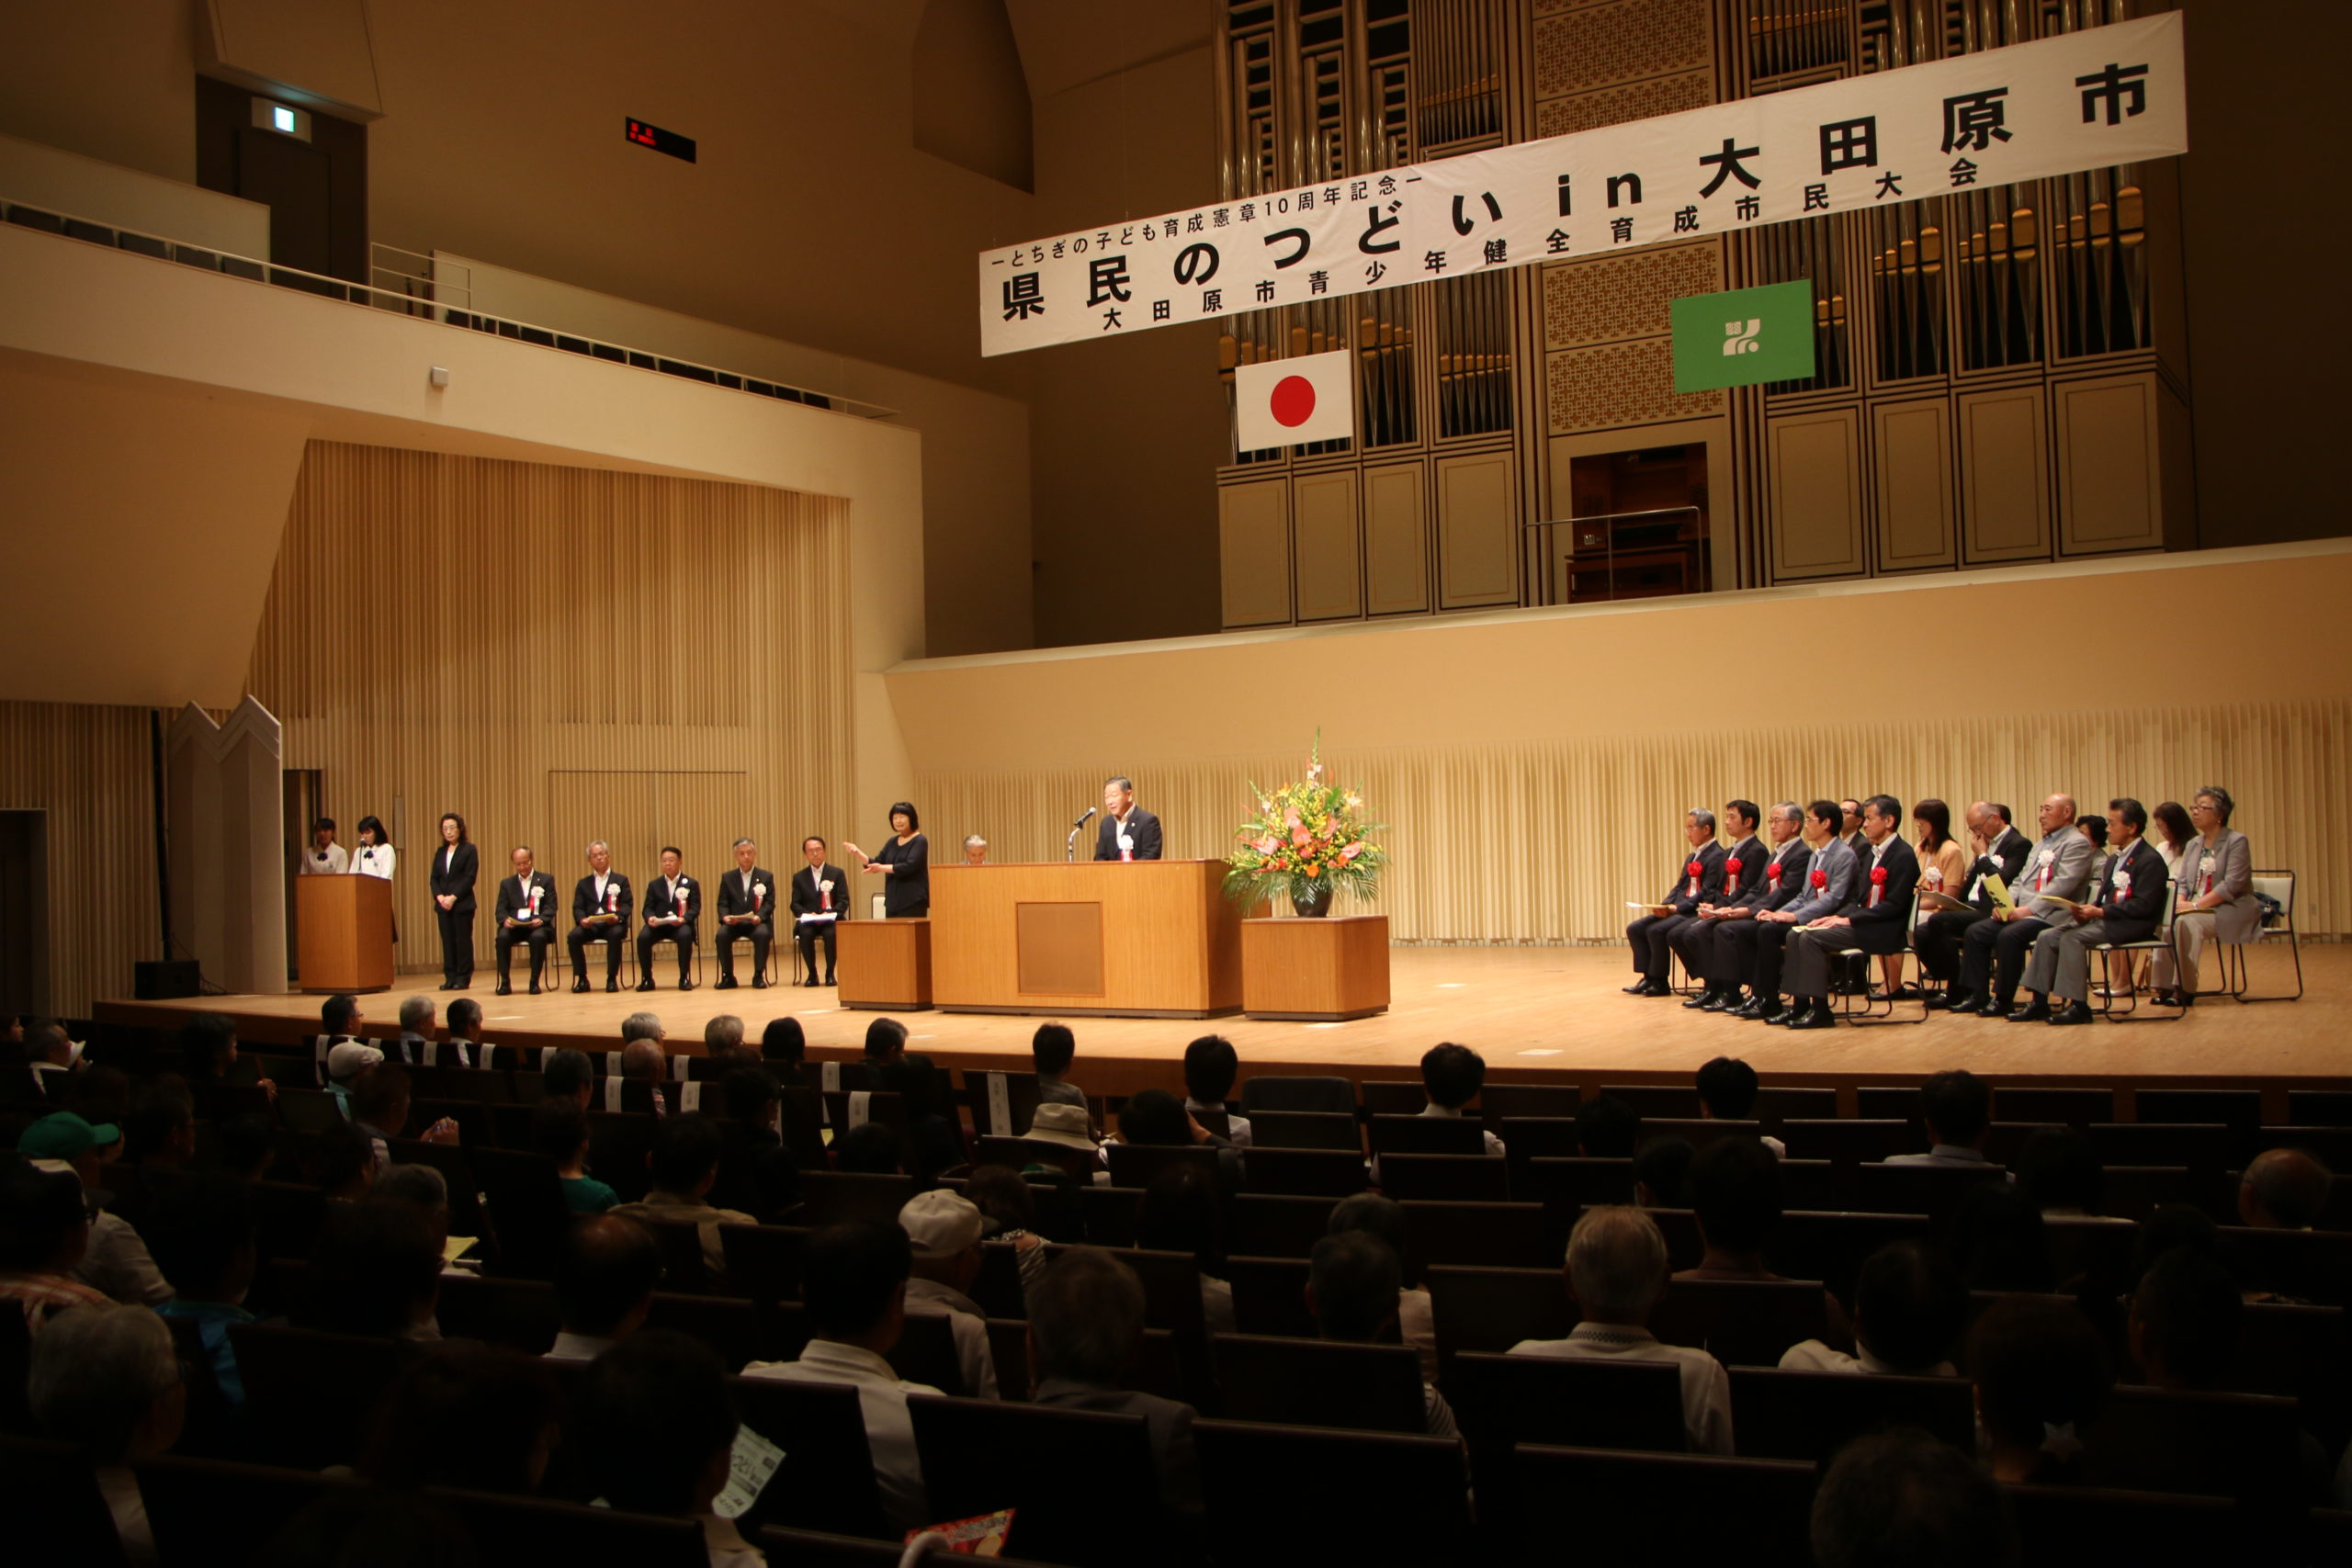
<point x="1744" y="336"/>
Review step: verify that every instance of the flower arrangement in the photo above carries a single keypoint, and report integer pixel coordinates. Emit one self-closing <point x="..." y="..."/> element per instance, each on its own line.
<point x="1309" y="839"/>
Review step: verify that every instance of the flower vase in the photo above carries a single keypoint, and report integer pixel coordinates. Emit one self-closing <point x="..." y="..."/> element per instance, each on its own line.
<point x="1310" y="899"/>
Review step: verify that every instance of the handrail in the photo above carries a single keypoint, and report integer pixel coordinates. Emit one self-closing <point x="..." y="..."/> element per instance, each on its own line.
<point x="1544" y="554"/>
<point x="420" y="306"/>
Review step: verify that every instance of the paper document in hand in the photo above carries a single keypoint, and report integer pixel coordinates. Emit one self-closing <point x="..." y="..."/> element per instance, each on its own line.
<point x="2000" y="889"/>
<point x="749" y="1467"/>
<point x="1930" y="898"/>
<point x="822" y="918"/>
<point x="1649" y="909"/>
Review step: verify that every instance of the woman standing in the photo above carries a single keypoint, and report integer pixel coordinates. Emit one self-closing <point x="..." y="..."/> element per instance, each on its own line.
<point x="455" y="866"/>
<point x="375" y="858"/>
<point x="906" y="861"/>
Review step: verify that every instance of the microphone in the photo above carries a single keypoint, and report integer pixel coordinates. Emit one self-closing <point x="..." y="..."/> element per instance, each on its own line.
<point x="1069" y="849"/>
<point x="1091" y="812"/>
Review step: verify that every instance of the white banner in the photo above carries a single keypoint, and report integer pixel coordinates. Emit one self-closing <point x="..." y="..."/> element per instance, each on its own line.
<point x="2086" y="100"/>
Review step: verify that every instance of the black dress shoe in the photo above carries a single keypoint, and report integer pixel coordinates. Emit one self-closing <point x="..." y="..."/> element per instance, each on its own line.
<point x="1724" y="1001"/>
<point x="1991" y="1007"/>
<point x="807" y="984"/>
<point x="2074" y="1012"/>
<point x="2034" y="1011"/>
<point x="1769" y="1011"/>
<point x="1704" y="998"/>
<point x="449" y="985"/>
<point x="830" y="981"/>
<point x="759" y="982"/>
<point x="612" y="984"/>
<point x="580" y="983"/>
<point x="1640" y="987"/>
<point x="645" y="985"/>
<point x="726" y="983"/>
<point x="1657" y="988"/>
<point x="505" y="990"/>
<point x="684" y="983"/>
<point x="535" y="987"/>
<point x="1817" y="1016"/>
<point x="1957" y="1000"/>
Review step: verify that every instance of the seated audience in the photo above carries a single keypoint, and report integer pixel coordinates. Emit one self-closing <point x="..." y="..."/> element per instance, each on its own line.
<point x="2059" y="1170"/>
<point x="1353" y="1284"/>
<point x="1065" y="1125"/>
<point x="1085" y="1325"/>
<point x="869" y="1149"/>
<point x="755" y="1173"/>
<point x="683" y="1164"/>
<point x="605" y="1274"/>
<point x="783" y="1051"/>
<point x="1053" y="1048"/>
<point x="425" y="1189"/>
<point x="1958" y="1110"/>
<point x="465" y="1048"/>
<point x="2040" y="1372"/>
<point x="248" y="1147"/>
<point x="1385" y="1218"/>
<point x="944" y="1233"/>
<point x="380" y="1105"/>
<point x="1009" y="1213"/>
<point x="1910" y="1305"/>
<point x="658" y="1430"/>
<point x="1734" y="1191"/>
<point x="567" y="1074"/>
<point x="1728" y="1091"/>
<point x="1179" y="1213"/>
<point x="345" y="1161"/>
<point x="646" y="1066"/>
<point x="2186" y="1318"/>
<point x="853" y="1287"/>
<point x="560" y="1131"/>
<point x="116" y="1260"/>
<point x="55" y="1061"/>
<point x="1901" y="1499"/>
<point x="159" y="1129"/>
<point x="1616" y="1267"/>
<point x="346" y="1061"/>
<point x="414" y="1045"/>
<point x="209" y="1048"/>
<point x="1210" y="1064"/>
<point x="44" y="1232"/>
<point x="2283" y="1189"/>
<point x="932" y="1126"/>
<point x="107" y="1379"/>
<point x="722" y="1035"/>
<point x="1660" y="1172"/>
<point x="1451" y="1075"/>
<point x="376" y="1271"/>
<point x="205" y="1244"/>
<point x="1997" y="1240"/>
<point x="463" y="1415"/>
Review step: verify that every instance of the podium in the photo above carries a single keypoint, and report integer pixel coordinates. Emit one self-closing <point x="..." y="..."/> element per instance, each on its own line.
<point x="1141" y="939"/>
<point x="343" y="933"/>
<point x="884" y="964"/>
<point x="1327" y="970"/>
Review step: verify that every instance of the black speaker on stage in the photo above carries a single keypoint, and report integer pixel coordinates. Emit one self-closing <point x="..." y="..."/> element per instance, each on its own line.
<point x="163" y="979"/>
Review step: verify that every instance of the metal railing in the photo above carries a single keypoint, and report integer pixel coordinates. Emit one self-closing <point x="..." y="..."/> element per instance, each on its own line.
<point x="424" y="297"/>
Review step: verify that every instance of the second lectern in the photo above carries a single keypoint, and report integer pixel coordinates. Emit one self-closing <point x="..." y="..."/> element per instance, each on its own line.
<point x="1142" y="938"/>
<point x="343" y="933"/>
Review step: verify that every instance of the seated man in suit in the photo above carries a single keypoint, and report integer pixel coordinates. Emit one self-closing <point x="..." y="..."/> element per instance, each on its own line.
<point x="526" y="902"/>
<point x="1828" y="884"/>
<point x="2127" y="906"/>
<point x="2000" y="850"/>
<point x="2056" y="872"/>
<point x="818" y="890"/>
<point x="673" y="905"/>
<point x="1701" y="881"/>
<point x="1876" y="919"/>
<point x="1742" y="876"/>
<point x="746" y="908"/>
<point x="1128" y="832"/>
<point x="601" y="905"/>
<point x="1085" y="1325"/>
<point x="1723" y="944"/>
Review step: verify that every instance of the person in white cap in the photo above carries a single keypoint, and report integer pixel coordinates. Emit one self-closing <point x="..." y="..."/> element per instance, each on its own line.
<point x="943" y="1229"/>
<point x="1065" y="1125"/>
<point x="345" y="1063"/>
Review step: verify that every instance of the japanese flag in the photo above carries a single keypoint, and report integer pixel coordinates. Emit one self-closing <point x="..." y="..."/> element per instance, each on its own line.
<point x="1287" y="402"/>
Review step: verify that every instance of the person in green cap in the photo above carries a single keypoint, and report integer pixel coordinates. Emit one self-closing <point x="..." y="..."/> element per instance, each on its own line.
<point x="117" y="1262"/>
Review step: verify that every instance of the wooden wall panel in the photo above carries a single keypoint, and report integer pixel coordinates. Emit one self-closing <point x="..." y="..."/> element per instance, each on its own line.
<point x="1914" y="476"/>
<point x="449" y="633"/>
<point x="1477" y="531"/>
<point x="88" y="768"/>
<point x="1326" y="536"/>
<point x="1253" y="537"/>
<point x="2004" y="475"/>
<point x="1396" y="539"/>
<point x="2111" y="493"/>
<point x="1816" y="491"/>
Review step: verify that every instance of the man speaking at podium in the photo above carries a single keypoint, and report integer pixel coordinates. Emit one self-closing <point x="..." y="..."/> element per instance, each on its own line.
<point x="1128" y="832"/>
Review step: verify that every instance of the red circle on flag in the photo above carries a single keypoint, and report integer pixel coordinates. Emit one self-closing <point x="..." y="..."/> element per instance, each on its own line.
<point x="1293" y="402"/>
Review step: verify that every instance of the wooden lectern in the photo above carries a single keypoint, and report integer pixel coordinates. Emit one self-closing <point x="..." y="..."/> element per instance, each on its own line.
<point x="1327" y="969"/>
<point x="343" y="933"/>
<point x="1141" y="939"/>
<point x="884" y="963"/>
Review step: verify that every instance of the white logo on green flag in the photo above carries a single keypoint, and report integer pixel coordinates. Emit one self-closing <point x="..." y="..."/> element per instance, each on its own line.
<point x="1743" y="337"/>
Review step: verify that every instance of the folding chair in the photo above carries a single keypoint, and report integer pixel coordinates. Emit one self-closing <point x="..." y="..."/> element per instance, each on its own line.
<point x="2236" y="973"/>
<point x="1874" y="1003"/>
<point x="2102" y="983"/>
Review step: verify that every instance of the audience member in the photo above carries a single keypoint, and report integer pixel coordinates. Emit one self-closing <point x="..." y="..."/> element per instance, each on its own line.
<point x="44" y="1232"/>
<point x="1607" y="1128"/>
<point x="2172" y="1227"/>
<point x="1065" y="1125"/>
<point x="645" y="1066"/>
<point x="54" y="1059"/>
<point x="933" y="1131"/>
<point x="159" y="1130"/>
<point x="1728" y="1091"/>
<point x="204" y="1245"/>
<point x="1734" y="1191"/>
<point x="943" y="1233"/>
<point x="1998" y="1239"/>
<point x="783" y="1051"/>
<point x="755" y="1172"/>
<point x="605" y="1274"/>
<point x="375" y="1271"/>
<point x="463" y="1415"/>
<point x="1354" y="1282"/>
<point x="425" y="1189"/>
<point x="380" y="1105"/>
<point x="1958" y="1110"/>
<point x="658" y="1430"/>
<point x="248" y="1145"/>
<point x="414" y="1045"/>
<point x="1451" y="1075"/>
<point x="722" y="1035"/>
<point x="1615" y="1269"/>
<point x="868" y="1149"/>
<point x="209" y="1053"/>
<point x="1901" y="1499"/>
<point x="2186" y="1318"/>
<point x="1085" y="1324"/>
<point x="1052" y="1049"/>
<point x="1660" y="1170"/>
<point x="346" y="1061"/>
<point x="345" y="1161"/>
<point x="106" y="1377"/>
<point x="567" y="1074"/>
<point x="560" y="1131"/>
<point x="116" y="1260"/>
<point x="853" y="1287"/>
<point x="1385" y="1218"/>
<point x="2040" y="1372"/>
<point x="463" y="1019"/>
<point x="2283" y="1189"/>
<point x="1211" y="1064"/>
<point x="683" y="1164"/>
<point x="1179" y="1213"/>
<point x="1009" y="1213"/>
<point x="1910" y="1305"/>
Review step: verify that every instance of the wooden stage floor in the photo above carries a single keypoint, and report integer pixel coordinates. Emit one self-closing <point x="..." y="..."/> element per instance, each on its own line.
<point x="1535" y="1013"/>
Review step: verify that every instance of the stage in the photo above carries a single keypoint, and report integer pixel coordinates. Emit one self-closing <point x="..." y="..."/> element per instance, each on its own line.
<point x="1535" y="1013"/>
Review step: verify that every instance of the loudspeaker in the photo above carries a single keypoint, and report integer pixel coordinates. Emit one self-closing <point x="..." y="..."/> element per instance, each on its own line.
<point x="161" y="980"/>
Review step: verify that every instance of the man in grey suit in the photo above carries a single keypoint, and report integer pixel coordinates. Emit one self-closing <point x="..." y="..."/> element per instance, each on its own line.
<point x="1085" y="1323"/>
<point x="2127" y="904"/>
<point x="1876" y="922"/>
<point x="1829" y="883"/>
<point x="2056" y="871"/>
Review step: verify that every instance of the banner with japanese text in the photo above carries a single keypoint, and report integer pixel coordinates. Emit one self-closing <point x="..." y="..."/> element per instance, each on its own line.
<point x="2085" y="100"/>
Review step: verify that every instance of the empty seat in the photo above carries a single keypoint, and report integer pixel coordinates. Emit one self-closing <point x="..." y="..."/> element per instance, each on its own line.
<point x="765" y="1260"/>
<point x="1830" y="1246"/>
<point x="2226" y="1445"/>
<point x="1934" y="1191"/>
<point x="2075" y="1108"/>
<point x="1574" y="1401"/>
<point x="1627" y="1505"/>
<point x="1334" y="1173"/>
<point x="1003" y="1104"/>
<point x="2319" y="1107"/>
<point x="1276" y="1224"/>
<point x="1498" y="1102"/>
<point x="1460" y="1177"/>
<point x="1740" y="1322"/>
<point x="1811" y="1415"/>
<point x="1697" y="1130"/>
<point x="1410" y="1502"/>
<point x="1494" y="1309"/>
<point x="1081" y="1483"/>
<point x="1649" y="1099"/>
<point x="832" y="1198"/>
<point x="1309" y="1382"/>
<point x="2130" y="1191"/>
<point x="1279" y="1093"/>
<point x="1306" y="1129"/>
<point x="1776" y="1103"/>
<point x="1269" y="1296"/>
<point x="513" y="1529"/>
<point x="1109" y="1214"/>
<point x="2202" y="1147"/>
<point x="1887" y="1102"/>
<point x="1499" y="1236"/>
<point x="2005" y="1141"/>
<point x="1534" y="1137"/>
<point x="1852" y="1142"/>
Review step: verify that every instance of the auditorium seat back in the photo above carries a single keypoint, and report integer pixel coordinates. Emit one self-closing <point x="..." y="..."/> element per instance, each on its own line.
<point x="764" y="1261"/>
<point x="1275" y="1225"/>
<point x="833" y="1198"/>
<point x="50" y="1497"/>
<point x="1269" y="1296"/>
<point x="1139" y="1164"/>
<point x="1393" y="1097"/>
<point x="1502" y="1235"/>
<point x="516" y="1314"/>
<point x="1311" y="1382"/>
<point x="1811" y="1415"/>
<point x="1384" y="1496"/>
<point x="206" y="1511"/>
<point x="1849" y="1142"/>
<point x="1328" y="1173"/>
<point x="1498" y="1102"/>
<point x="1830" y="1246"/>
<point x="2075" y="1108"/>
<point x="814" y="1549"/>
<point x="1019" y="1154"/>
<point x="2055" y="1524"/>
<point x="1081" y="1483"/>
<point x="1464" y="1178"/>
<point x="1302" y="1093"/>
<point x="826" y="1480"/>
<point x="1306" y="1129"/>
<point x="2244" y="1446"/>
<point x="310" y="1394"/>
<point x="1740" y="1322"/>
<point x="1493" y="1309"/>
<point x="2199" y="1146"/>
<point x="1576" y="1402"/>
<point x="1627" y="1506"/>
<point x="1427" y="1135"/>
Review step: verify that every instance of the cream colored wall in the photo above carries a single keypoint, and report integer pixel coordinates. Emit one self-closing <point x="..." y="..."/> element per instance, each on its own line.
<point x="89" y="768"/>
<point x="80" y="186"/>
<point x="1534" y="766"/>
<point x="115" y="81"/>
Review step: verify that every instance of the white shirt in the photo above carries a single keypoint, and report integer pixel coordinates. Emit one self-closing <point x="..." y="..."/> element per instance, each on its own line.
<point x="1813" y="1355"/>
<point x="570" y="1347"/>
<point x="929" y="1298"/>
<point x="335" y="863"/>
<point x="889" y="1430"/>
<point x="1707" y="1387"/>
<point x="376" y="859"/>
<point x="1494" y="1145"/>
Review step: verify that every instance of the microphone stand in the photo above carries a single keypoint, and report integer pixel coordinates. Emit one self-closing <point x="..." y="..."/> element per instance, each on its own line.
<point x="1069" y="849"/>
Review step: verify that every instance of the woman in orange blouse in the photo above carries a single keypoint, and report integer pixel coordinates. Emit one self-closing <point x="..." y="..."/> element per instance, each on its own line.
<point x="1943" y="865"/>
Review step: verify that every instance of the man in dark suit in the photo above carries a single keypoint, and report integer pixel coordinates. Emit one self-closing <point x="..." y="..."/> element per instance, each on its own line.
<point x="1722" y="945"/>
<point x="601" y="905"/>
<point x="1877" y="918"/>
<point x="746" y="908"/>
<point x="1830" y="875"/>
<point x="1701" y="881"/>
<point x="819" y="888"/>
<point x="1851" y="827"/>
<point x="1123" y="819"/>
<point x="2128" y="904"/>
<point x="525" y="903"/>
<point x="1689" y="935"/>
<point x="456" y="864"/>
<point x="2000" y="851"/>
<point x="673" y="905"/>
